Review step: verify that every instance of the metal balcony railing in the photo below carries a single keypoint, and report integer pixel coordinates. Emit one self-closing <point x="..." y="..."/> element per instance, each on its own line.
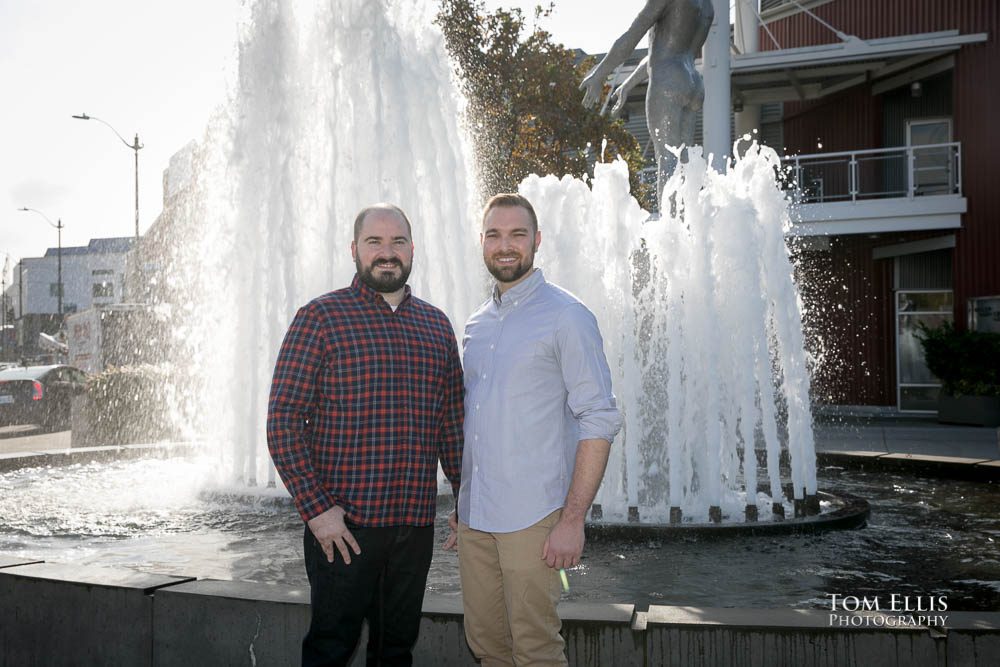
<point x="880" y="173"/>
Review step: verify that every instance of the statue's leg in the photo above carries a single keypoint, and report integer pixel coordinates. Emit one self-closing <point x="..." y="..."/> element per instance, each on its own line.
<point x="689" y="119"/>
<point x="671" y="124"/>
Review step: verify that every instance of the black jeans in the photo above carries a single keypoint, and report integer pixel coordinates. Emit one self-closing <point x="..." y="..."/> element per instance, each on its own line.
<point x="383" y="585"/>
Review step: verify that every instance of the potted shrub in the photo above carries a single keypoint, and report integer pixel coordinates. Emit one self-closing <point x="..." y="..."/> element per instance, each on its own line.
<point x="968" y="365"/>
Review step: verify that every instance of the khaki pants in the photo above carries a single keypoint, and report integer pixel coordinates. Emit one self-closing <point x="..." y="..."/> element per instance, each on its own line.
<point x="510" y="596"/>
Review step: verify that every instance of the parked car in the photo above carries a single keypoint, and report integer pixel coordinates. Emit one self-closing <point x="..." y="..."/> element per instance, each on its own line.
<point x="39" y="395"/>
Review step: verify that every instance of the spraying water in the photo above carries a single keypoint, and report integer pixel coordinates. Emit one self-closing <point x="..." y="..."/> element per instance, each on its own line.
<point x="339" y="105"/>
<point x="702" y="316"/>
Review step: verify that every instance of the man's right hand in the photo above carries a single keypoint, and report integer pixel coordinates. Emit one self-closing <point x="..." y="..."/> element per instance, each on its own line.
<point x="330" y="531"/>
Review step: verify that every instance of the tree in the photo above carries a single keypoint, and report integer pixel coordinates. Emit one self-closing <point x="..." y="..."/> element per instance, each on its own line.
<point x="524" y="103"/>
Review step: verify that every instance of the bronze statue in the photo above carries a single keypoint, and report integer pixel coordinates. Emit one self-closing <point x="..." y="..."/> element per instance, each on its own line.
<point x="675" y="94"/>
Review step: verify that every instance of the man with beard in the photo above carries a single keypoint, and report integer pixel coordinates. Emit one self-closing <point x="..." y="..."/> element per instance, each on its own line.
<point x="540" y="418"/>
<point x="366" y="399"/>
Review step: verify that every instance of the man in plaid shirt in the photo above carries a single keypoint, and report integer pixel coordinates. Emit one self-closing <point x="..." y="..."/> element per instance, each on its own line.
<point x="366" y="399"/>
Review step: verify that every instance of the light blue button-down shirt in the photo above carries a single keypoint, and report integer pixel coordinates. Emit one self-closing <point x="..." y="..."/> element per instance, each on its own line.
<point x="536" y="383"/>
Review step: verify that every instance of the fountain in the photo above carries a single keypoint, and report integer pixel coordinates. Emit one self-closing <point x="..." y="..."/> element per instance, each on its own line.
<point x="341" y="104"/>
<point x="321" y="123"/>
<point x="708" y="346"/>
<point x="698" y="310"/>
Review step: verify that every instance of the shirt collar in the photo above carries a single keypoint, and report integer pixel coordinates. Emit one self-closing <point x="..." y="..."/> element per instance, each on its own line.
<point x="374" y="296"/>
<point x="519" y="291"/>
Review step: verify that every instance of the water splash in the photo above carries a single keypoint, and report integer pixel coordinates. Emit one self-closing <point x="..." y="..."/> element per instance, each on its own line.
<point x="336" y="106"/>
<point x="339" y="105"/>
<point x="702" y="324"/>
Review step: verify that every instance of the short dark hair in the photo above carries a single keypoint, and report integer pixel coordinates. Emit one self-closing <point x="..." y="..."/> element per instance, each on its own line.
<point x="511" y="200"/>
<point x="388" y="208"/>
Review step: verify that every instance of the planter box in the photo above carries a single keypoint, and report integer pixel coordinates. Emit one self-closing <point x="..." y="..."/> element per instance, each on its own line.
<point x="972" y="410"/>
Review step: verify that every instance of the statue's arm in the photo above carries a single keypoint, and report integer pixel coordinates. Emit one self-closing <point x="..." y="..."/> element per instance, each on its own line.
<point x="620" y="94"/>
<point x="593" y="83"/>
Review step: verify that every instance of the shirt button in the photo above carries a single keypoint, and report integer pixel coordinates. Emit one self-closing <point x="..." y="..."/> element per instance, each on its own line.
<point x="477" y="406"/>
<point x="475" y="437"/>
<point x="492" y="346"/>
<point x="475" y="468"/>
<point x="484" y="376"/>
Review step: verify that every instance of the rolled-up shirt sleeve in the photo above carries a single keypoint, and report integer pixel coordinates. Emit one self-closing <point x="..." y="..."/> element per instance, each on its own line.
<point x="586" y="374"/>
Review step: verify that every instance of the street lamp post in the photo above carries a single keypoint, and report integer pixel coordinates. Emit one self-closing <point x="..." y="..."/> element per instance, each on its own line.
<point x="134" y="146"/>
<point x="3" y="307"/>
<point x="59" y="283"/>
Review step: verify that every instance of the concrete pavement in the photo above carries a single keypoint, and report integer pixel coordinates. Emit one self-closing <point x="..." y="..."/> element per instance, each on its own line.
<point x="906" y="435"/>
<point x="14" y="439"/>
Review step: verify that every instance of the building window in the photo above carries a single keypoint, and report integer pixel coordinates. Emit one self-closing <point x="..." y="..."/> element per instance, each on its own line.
<point x="917" y="386"/>
<point x="55" y="289"/>
<point x="104" y="289"/>
<point x="934" y="159"/>
<point x="102" y="272"/>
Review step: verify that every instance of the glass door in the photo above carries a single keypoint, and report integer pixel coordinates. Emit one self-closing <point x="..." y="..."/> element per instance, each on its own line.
<point x="917" y="388"/>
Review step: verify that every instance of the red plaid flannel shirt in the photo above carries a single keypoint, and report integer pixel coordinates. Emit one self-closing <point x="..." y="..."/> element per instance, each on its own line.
<point x="364" y="403"/>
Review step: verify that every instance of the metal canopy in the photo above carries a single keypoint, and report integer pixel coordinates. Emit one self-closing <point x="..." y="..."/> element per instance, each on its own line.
<point x="812" y="72"/>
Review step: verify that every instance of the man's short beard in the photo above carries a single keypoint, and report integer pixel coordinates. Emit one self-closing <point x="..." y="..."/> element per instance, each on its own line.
<point x="508" y="274"/>
<point x="511" y="272"/>
<point x="384" y="284"/>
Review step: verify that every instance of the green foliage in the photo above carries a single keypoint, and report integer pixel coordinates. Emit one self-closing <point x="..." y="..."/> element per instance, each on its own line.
<point x="129" y="405"/>
<point x="525" y="107"/>
<point x="966" y="362"/>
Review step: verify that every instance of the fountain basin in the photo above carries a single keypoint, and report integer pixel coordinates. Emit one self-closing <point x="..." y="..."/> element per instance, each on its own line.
<point x="922" y="537"/>
<point x="842" y="511"/>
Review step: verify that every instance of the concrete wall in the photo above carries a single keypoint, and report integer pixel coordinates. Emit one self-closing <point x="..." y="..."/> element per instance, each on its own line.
<point x="52" y="614"/>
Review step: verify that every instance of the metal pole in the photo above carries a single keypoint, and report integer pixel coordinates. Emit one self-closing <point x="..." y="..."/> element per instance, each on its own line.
<point x="135" y="148"/>
<point x="716" y="74"/>
<point x="59" y="297"/>
<point x="3" y="316"/>
<point x="59" y="284"/>
<point x="19" y="330"/>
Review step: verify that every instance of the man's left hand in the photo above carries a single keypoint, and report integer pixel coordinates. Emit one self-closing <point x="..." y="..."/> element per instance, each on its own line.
<point x="451" y="544"/>
<point x="564" y="544"/>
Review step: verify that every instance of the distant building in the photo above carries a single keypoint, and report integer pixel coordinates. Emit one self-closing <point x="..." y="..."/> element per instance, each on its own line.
<point x="165" y="250"/>
<point x="92" y="275"/>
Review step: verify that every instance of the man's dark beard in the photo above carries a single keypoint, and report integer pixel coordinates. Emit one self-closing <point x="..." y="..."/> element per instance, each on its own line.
<point x="387" y="283"/>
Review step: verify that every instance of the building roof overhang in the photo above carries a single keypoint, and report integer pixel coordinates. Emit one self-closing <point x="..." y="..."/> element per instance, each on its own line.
<point x="814" y="72"/>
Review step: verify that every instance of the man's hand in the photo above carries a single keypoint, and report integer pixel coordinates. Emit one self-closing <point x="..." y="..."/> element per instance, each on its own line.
<point x="330" y="530"/>
<point x="451" y="544"/>
<point x="564" y="544"/>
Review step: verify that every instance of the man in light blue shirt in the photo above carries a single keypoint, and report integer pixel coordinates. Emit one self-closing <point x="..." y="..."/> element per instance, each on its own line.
<point x="540" y="418"/>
